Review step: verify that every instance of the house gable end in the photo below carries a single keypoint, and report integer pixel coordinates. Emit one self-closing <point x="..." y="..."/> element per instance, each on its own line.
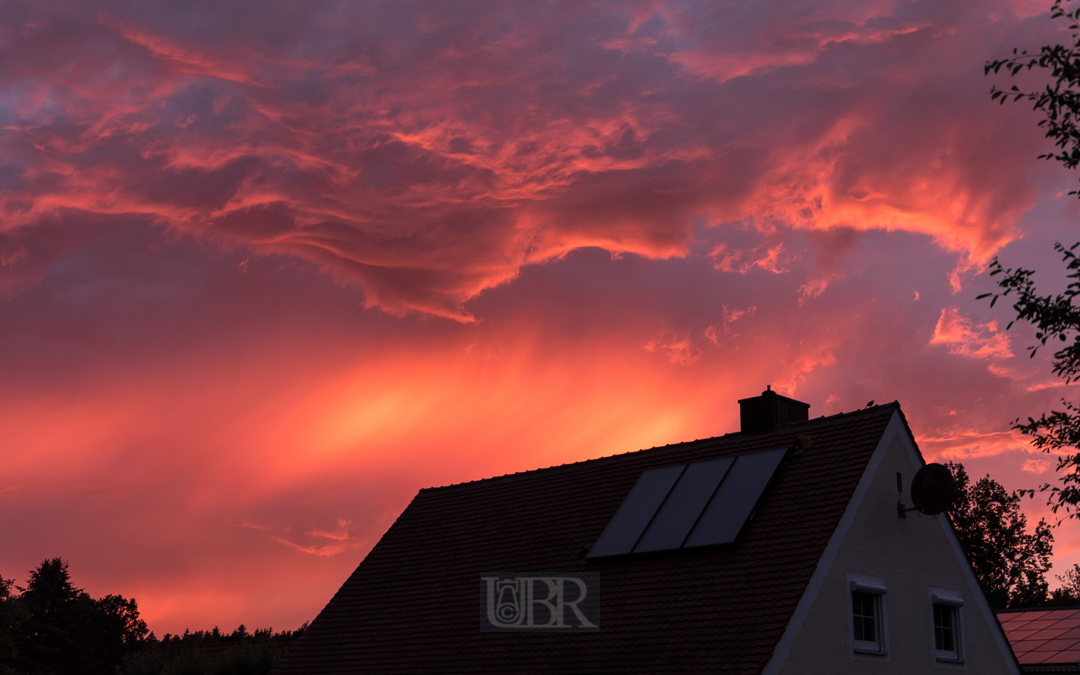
<point x="910" y="557"/>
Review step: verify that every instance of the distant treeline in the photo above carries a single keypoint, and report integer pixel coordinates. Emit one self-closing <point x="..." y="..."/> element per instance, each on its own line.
<point x="50" y="627"/>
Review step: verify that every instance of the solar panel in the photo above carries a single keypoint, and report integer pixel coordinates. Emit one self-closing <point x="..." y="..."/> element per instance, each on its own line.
<point x="683" y="505"/>
<point x="637" y="510"/>
<point x="726" y="514"/>
<point x="688" y="505"/>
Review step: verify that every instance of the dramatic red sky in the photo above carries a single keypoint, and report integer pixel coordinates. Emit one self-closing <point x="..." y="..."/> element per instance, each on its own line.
<point x="268" y="268"/>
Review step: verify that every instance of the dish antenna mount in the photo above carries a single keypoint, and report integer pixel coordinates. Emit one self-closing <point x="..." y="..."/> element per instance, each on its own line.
<point x="932" y="491"/>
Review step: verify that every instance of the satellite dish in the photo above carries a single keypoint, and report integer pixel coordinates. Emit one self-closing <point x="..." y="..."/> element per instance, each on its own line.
<point x="932" y="489"/>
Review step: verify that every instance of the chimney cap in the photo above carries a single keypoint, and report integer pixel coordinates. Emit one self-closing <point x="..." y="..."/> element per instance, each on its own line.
<point x="770" y="410"/>
<point x="772" y="394"/>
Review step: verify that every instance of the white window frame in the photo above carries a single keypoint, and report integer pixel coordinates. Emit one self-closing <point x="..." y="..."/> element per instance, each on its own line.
<point x="874" y="587"/>
<point x="953" y="601"/>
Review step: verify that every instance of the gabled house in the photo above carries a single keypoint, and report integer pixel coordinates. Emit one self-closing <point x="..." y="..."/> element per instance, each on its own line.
<point x="778" y="549"/>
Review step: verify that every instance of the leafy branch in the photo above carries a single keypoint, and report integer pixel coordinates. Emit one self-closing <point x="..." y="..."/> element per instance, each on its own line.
<point x="1059" y="101"/>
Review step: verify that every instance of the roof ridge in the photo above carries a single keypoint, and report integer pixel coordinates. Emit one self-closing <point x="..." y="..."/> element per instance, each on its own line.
<point x="748" y="434"/>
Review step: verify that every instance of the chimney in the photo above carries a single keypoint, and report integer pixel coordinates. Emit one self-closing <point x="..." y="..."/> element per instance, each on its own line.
<point x="770" y="410"/>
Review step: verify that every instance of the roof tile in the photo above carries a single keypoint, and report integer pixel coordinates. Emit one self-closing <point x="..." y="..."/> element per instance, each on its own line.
<point x="1070" y="656"/>
<point x="1031" y="657"/>
<point x="1029" y="645"/>
<point x="1057" y="645"/>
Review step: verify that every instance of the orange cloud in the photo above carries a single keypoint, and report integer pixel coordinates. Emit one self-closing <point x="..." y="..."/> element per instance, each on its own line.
<point x="743" y="261"/>
<point x="964" y="336"/>
<point x="680" y="351"/>
<point x="426" y="201"/>
<point x="314" y="542"/>
<point x="1036" y="465"/>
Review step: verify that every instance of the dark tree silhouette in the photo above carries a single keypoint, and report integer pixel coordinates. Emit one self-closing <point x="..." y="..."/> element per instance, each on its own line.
<point x="66" y="631"/>
<point x="1010" y="562"/>
<point x="12" y="614"/>
<point x="117" y="629"/>
<point x="1068" y="593"/>
<point x="54" y="628"/>
<point x="1054" y="317"/>
<point x="48" y="641"/>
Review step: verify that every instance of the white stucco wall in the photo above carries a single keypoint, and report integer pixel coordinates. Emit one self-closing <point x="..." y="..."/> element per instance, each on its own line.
<point x="911" y="555"/>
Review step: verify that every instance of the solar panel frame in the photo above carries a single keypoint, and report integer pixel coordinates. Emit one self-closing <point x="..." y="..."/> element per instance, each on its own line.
<point x="676" y="517"/>
<point x="636" y="512"/>
<point x="727" y="513"/>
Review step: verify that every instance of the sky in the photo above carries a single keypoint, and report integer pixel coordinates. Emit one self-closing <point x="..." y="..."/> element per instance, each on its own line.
<point x="269" y="268"/>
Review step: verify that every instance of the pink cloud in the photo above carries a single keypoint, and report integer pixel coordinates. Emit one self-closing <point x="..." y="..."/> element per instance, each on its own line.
<point x="964" y="336"/>
<point x="1035" y="465"/>
<point x="744" y="261"/>
<point x="427" y="157"/>
<point x="680" y="351"/>
<point x="314" y="542"/>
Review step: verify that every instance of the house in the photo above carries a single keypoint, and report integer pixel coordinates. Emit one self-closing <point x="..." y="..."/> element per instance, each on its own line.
<point x="1044" y="640"/>
<point x="778" y="549"/>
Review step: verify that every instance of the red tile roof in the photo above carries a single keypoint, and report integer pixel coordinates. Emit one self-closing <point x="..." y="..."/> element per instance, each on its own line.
<point x="416" y="604"/>
<point x="1045" y="637"/>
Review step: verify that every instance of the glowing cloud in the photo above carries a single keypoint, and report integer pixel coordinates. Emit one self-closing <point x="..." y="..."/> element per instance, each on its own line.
<point x="964" y="336"/>
<point x="430" y="156"/>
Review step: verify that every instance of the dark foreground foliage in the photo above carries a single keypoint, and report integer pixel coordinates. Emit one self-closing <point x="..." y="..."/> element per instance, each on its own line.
<point x="1069" y="591"/>
<point x="53" y="628"/>
<point x="1055" y="317"/>
<point x="1009" y="561"/>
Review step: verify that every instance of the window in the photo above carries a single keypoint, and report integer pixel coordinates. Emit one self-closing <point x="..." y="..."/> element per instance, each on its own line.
<point x="868" y="626"/>
<point x="865" y="613"/>
<point x="948" y="630"/>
